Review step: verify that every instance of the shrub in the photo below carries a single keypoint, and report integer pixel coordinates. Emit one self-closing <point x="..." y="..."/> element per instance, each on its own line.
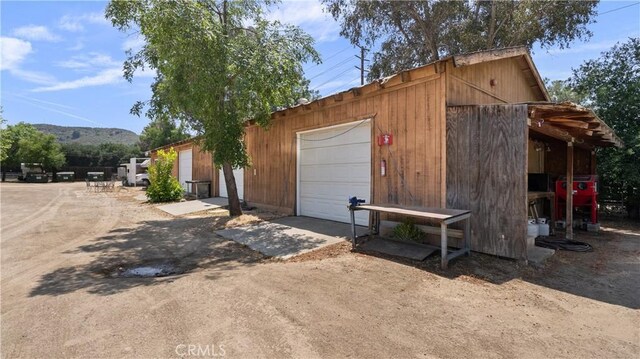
<point x="164" y="187"/>
<point x="407" y="231"/>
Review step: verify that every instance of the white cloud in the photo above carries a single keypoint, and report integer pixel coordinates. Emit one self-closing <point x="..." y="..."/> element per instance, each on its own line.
<point x="104" y="77"/>
<point x="13" y="52"/>
<point x="75" y="23"/>
<point x="134" y="43"/>
<point x="310" y="16"/>
<point x="36" y="33"/>
<point x="33" y="76"/>
<point x="89" y="61"/>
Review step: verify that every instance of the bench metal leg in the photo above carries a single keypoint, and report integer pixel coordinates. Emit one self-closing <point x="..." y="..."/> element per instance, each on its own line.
<point x="443" y="246"/>
<point x="467" y="235"/>
<point x="353" y="229"/>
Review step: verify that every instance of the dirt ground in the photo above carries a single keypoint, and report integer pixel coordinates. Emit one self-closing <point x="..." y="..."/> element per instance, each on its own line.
<point x="60" y="246"/>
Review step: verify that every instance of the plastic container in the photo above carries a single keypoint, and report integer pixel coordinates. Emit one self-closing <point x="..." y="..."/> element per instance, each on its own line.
<point x="543" y="227"/>
<point x="533" y="230"/>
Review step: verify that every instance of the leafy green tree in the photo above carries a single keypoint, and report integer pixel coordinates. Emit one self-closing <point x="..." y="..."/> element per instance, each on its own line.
<point x="40" y="148"/>
<point x="102" y="155"/>
<point x="163" y="186"/>
<point x="29" y="145"/>
<point x="160" y="132"/>
<point x="412" y="33"/>
<point x="611" y="85"/>
<point x="214" y="70"/>
<point x="5" y="140"/>
<point x="561" y="91"/>
<point x="12" y="135"/>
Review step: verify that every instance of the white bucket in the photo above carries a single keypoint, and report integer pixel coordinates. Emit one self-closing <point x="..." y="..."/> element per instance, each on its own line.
<point x="543" y="229"/>
<point x="533" y="228"/>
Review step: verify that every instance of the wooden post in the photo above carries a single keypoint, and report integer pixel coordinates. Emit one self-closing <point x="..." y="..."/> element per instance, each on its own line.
<point x="569" y="232"/>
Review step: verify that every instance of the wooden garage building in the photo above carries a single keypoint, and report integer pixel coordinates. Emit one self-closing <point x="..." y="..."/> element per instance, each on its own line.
<point x="462" y="133"/>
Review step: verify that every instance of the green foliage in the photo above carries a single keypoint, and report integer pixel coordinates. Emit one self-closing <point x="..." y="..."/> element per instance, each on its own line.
<point x="561" y="91"/>
<point x="214" y="71"/>
<point x="160" y="132"/>
<point x="408" y="231"/>
<point x="103" y="155"/>
<point x="29" y="145"/>
<point x="164" y="187"/>
<point x="412" y="33"/>
<point x="5" y="140"/>
<point x="611" y="85"/>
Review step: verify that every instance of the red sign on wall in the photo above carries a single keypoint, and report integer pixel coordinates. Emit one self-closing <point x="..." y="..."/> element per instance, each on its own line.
<point x="386" y="139"/>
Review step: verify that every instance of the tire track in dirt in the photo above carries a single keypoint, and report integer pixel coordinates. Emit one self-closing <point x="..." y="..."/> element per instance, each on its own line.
<point x="41" y="263"/>
<point x="6" y="229"/>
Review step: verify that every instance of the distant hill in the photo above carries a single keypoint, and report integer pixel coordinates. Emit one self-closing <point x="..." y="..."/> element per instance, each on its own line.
<point x="89" y="135"/>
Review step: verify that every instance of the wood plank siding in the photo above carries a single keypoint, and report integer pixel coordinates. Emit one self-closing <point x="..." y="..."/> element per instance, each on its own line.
<point x="507" y="80"/>
<point x="412" y="110"/>
<point x="202" y="167"/>
<point x="486" y="173"/>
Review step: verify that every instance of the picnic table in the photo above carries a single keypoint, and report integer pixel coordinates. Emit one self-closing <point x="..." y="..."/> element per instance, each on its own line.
<point x="100" y="186"/>
<point x="442" y="216"/>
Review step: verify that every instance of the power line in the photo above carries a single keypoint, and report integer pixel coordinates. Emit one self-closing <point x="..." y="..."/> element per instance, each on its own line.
<point x="333" y="78"/>
<point x="330" y="57"/>
<point x="333" y="67"/>
<point x="616" y="9"/>
<point x="354" y="81"/>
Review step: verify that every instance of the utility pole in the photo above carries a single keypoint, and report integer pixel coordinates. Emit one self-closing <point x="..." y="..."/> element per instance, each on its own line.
<point x="362" y="60"/>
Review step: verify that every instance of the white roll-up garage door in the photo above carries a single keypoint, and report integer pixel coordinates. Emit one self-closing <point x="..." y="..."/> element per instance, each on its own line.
<point x="334" y="164"/>
<point x="185" y="167"/>
<point x="239" y="175"/>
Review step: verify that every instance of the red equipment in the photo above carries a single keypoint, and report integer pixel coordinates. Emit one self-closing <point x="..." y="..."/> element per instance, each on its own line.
<point x="585" y="194"/>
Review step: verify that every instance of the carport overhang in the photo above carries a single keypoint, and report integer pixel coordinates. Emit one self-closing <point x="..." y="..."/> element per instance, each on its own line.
<point x="569" y="122"/>
<point x="575" y="125"/>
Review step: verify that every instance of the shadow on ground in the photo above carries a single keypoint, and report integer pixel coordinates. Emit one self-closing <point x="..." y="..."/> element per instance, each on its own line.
<point x="610" y="273"/>
<point x="185" y="243"/>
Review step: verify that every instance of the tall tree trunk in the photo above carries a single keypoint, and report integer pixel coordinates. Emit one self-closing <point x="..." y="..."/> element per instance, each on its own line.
<point x="232" y="190"/>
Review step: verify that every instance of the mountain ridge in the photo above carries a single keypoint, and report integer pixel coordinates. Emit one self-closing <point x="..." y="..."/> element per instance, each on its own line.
<point x="89" y="135"/>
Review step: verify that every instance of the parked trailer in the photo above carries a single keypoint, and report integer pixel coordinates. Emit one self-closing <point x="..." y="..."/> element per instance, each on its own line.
<point x="33" y="173"/>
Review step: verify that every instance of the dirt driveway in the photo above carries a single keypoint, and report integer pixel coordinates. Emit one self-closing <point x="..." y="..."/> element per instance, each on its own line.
<point x="61" y="245"/>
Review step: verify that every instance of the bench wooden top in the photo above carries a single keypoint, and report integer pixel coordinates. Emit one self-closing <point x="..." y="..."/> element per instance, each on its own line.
<point x="440" y="214"/>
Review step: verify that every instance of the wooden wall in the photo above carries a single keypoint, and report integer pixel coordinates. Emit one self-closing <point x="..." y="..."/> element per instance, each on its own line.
<point x="486" y="173"/>
<point x="202" y="167"/>
<point x="535" y="158"/>
<point x="471" y="85"/>
<point x="413" y="110"/>
<point x="556" y="160"/>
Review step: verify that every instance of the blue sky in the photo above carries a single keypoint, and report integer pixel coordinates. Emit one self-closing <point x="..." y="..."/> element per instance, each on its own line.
<point x="61" y="62"/>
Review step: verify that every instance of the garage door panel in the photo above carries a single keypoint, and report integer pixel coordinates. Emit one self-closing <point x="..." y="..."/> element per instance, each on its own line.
<point x="333" y="191"/>
<point x="239" y="175"/>
<point x="325" y="138"/>
<point x="349" y="153"/>
<point x="185" y="167"/>
<point x="353" y="173"/>
<point x="334" y="164"/>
